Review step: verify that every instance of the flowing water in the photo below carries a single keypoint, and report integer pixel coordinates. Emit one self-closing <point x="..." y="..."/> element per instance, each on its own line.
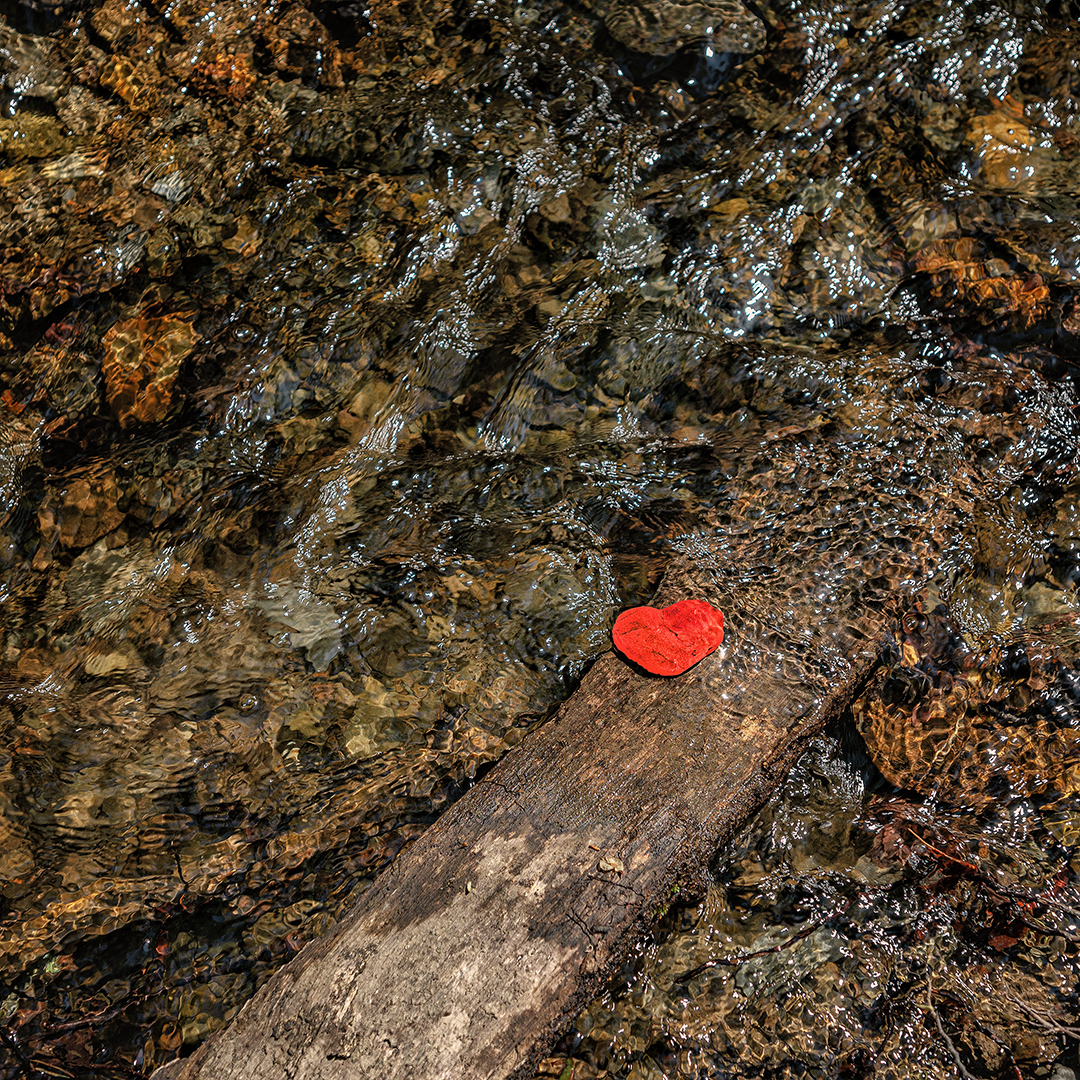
<point x="358" y="363"/>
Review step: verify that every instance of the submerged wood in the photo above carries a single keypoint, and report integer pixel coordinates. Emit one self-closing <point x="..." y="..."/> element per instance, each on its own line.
<point x="470" y="953"/>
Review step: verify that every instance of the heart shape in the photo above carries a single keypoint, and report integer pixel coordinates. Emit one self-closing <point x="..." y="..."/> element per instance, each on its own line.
<point x="669" y="641"/>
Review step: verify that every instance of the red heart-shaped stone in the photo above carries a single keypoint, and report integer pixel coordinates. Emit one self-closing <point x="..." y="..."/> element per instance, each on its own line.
<point x="668" y="641"/>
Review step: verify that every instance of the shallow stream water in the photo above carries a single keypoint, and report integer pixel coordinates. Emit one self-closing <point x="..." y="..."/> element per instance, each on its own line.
<point x="358" y="363"/>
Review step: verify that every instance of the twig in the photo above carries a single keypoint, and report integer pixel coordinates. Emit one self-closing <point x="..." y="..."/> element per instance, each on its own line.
<point x="943" y="854"/>
<point x="1042" y="1018"/>
<point x="735" y="961"/>
<point x="949" y="1045"/>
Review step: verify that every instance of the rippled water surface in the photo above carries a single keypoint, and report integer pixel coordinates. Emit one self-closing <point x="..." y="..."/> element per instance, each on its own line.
<point x="358" y="363"/>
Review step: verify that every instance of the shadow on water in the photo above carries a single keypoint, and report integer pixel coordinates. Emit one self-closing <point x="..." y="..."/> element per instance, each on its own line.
<point x="359" y="362"/>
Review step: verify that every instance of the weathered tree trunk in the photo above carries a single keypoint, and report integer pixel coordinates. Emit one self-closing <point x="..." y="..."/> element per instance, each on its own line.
<point x="467" y="956"/>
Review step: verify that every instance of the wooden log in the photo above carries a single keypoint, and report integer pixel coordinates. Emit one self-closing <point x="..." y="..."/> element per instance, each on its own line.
<point x="469" y="954"/>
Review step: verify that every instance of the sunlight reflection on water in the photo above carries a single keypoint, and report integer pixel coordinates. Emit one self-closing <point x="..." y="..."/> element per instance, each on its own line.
<point x="440" y="335"/>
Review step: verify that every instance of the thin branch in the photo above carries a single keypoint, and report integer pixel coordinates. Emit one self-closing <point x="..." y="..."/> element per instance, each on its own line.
<point x="742" y="958"/>
<point x="1041" y="1018"/>
<point x="949" y="1045"/>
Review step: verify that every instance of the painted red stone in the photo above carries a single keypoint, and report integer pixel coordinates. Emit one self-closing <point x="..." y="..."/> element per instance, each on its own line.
<point x="669" y="641"/>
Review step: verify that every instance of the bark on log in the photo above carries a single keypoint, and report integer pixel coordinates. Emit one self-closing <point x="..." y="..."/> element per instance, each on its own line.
<point x="467" y="956"/>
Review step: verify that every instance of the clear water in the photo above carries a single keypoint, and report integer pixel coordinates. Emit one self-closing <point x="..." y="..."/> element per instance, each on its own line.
<point x="359" y="364"/>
